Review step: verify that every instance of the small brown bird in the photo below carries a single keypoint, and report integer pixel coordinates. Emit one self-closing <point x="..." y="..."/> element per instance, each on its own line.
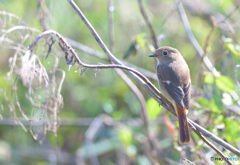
<point x="174" y="82"/>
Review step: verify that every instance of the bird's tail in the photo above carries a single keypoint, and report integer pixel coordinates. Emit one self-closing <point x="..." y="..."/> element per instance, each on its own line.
<point x="183" y="124"/>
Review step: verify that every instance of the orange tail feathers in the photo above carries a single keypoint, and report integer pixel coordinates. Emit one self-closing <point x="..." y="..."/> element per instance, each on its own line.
<point x="183" y="125"/>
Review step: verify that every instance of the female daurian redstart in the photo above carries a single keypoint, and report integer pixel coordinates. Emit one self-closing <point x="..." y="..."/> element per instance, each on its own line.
<point x="174" y="82"/>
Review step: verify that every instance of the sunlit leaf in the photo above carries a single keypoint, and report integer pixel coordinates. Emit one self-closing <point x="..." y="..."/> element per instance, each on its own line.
<point x="153" y="108"/>
<point x="125" y="135"/>
<point x="203" y="102"/>
<point x="214" y="107"/>
<point x="232" y="130"/>
<point x="232" y="48"/>
<point x="225" y="84"/>
<point x="209" y="79"/>
<point x="141" y="39"/>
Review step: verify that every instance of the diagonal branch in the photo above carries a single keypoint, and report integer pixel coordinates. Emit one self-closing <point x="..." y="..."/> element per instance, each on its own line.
<point x="98" y="54"/>
<point x="146" y="19"/>
<point x="135" y="90"/>
<point x="210" y="144"/>
<point x="193" y="40"/>
<point x="154" y="92"/>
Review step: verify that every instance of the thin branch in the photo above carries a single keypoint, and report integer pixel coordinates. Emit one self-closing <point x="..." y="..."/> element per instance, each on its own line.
<point x="110" y="25"/>
<point x="98" y="54"/>
<point x="229" y="14"/>
<point x="209" y="35"/>
<point x="135" y="90"/>
<point x="214" y="138"/>
<point x="42" y="13"/>
<point x="200" y="73"/>
<point x="210" y="144"/>
<point x="193" y="40"/>
<point x="146" y="19"/>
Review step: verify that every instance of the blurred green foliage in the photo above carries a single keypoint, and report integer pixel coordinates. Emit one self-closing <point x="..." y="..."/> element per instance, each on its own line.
<point x="98" y="92"/>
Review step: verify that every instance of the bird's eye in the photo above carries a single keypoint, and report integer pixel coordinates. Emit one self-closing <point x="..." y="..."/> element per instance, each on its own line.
<point x="165" y="53"/>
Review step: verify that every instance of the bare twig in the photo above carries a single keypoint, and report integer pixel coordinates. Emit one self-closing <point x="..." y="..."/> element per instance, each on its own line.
<point x="146" y="19"/>
<point x="200" y="73"/>
<point x="193" y="40"/>
<point x="42" y="13"/>
<point x="98" y="54"/>
<point x="210" y="144"/>
<point x="229" y="14"/>
<point x="110" y="25"/>
<point x="151" y="150"/>
<point x="209" y="35"/>
<point x="214" y="138"/>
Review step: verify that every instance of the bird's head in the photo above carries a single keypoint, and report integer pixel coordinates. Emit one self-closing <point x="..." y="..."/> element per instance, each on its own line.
<point x="166" y="53"/>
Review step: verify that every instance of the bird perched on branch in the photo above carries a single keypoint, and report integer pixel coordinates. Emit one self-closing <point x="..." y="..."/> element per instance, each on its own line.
<point x="174" y="82"/>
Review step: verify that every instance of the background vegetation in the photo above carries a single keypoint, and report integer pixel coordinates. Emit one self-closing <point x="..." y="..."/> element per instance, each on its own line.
<point x="96" y="118"/>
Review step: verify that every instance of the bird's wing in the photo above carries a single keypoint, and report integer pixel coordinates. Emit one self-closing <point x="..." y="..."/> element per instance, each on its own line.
<point x="167" y="76"/>
<point x="187" y="93"/>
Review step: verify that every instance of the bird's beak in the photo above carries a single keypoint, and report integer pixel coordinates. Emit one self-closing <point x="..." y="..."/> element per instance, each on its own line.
<point x="152" y="55"/>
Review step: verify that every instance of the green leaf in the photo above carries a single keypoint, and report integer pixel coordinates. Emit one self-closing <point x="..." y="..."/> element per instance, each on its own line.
<point x="232" y="48"/>
<point x="153" y="108"/>
<point x="141" y="39"/>
<point x="214" y="106"/>
<point x="203" y="102"/>
<point x="225" y="84"/>
<point x="209" y="79"/>
<point x="125" y="135"/>
<point x="232" y="130"/>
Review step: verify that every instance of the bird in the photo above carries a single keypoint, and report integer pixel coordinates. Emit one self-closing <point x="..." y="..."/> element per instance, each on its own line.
<point x="175" y="83"/>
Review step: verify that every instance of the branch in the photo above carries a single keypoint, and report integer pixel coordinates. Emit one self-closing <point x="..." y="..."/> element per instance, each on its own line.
<point x="146" y="19"/>
<point x="210" y="144"/>
<point x="134" y="88"/>
<point x="98" y="54"/>
<point x="110" y="25"/>
<point x="193" y="40"/>
<point x="144" y="112"/>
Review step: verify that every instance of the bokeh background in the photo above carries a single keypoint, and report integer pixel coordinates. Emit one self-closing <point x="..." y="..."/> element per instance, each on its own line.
<point x="96" y="118"/>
